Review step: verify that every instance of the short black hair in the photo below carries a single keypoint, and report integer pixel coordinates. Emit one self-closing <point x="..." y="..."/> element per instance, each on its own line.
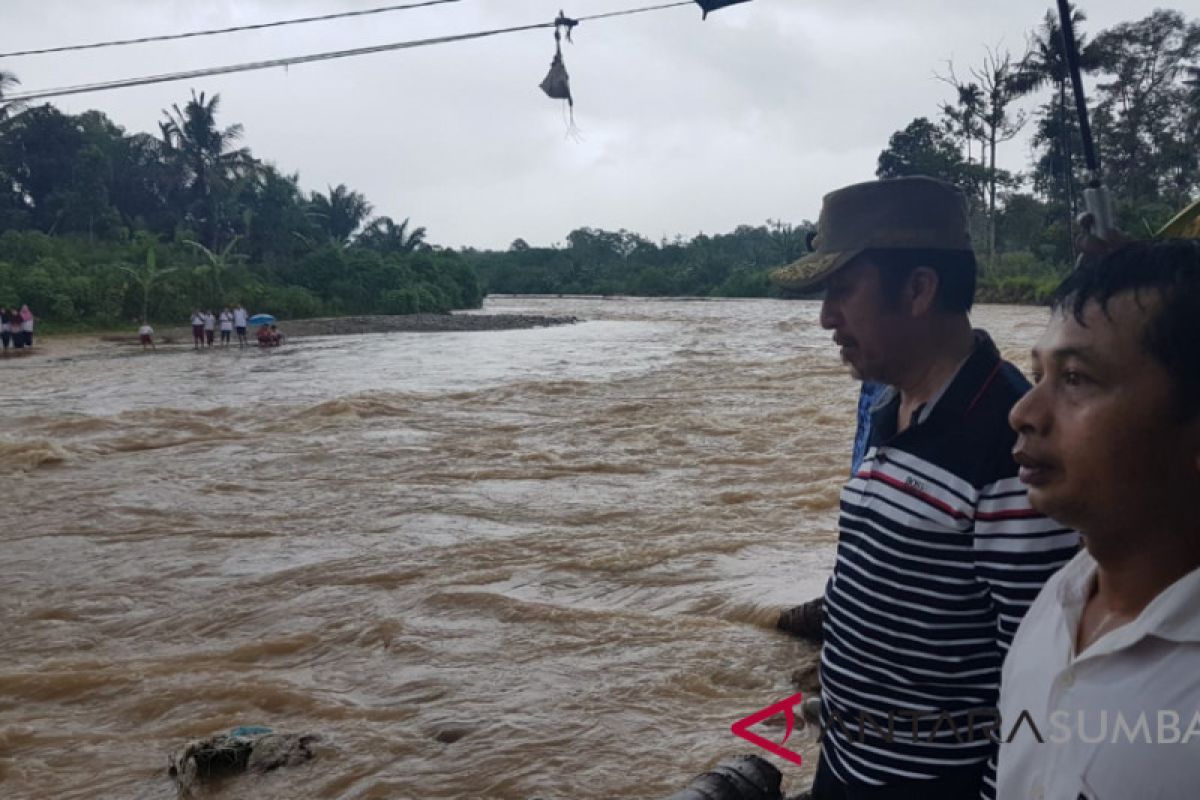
<point x="955" y="270"/>
<point x="1170" y="267"/>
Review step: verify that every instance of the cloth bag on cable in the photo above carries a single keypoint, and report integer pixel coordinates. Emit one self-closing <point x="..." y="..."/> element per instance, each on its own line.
<point x="557" y="83"/>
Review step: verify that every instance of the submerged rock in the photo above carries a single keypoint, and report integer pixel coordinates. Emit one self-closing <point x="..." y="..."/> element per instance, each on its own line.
<point x="807" y="677"/>
<point x="247" y="749"/>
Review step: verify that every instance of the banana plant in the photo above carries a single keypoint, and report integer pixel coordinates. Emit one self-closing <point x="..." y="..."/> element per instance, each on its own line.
<point x="147" y="277"/>
<point x="218" y="262"/>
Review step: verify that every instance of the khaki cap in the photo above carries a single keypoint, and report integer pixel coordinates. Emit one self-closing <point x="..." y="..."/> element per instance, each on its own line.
<point x="912" y="213"/>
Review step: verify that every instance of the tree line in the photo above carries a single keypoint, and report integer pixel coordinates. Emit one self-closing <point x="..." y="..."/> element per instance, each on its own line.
<point x="98" y="225"/>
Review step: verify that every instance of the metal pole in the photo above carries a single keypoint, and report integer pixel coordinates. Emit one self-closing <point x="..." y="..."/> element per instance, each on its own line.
<point x="1096" y="197"/>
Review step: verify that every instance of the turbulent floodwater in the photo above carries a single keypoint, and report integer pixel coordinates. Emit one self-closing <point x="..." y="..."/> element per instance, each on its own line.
<point x="539" y="563"/>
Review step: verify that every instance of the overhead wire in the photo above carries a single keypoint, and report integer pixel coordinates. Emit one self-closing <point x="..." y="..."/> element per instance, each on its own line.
<point x="217" y="31"/>
<point x="634" y="11"/>
<point x="313" y="57"/>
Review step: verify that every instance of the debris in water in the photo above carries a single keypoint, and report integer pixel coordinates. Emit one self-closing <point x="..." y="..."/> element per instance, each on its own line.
<point x="807" y="678"/>
<point x="249" y="748"/>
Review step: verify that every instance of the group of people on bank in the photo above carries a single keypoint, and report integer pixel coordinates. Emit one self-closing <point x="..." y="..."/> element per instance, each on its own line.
<point x="231" y="320"/>
<point x="1014" y="608"/>
<point x="205" y="325"/>
<point x="16" y="328"/>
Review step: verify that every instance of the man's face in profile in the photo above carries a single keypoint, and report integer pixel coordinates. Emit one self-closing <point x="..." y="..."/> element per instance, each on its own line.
<point x="864" y="327"/>
<point x="1102" y="439"/>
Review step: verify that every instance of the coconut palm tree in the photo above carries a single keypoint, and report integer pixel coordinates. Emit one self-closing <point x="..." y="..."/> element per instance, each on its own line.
<point x="340" y="213"/>
<point x="1046" y="64"/>
<point x="384" y="235"/>
<point x="8" y="81"/>
<point x="204" y="159"/>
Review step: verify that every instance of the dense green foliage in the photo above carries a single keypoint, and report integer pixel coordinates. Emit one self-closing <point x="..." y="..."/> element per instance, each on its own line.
<point x="100" y="227"/>
<point x="69" y="280"/>
<point x="1145" y="112"/>
<point x="603" y="262"/>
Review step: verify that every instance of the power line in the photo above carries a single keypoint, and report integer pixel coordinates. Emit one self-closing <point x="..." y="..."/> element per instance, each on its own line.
<point x="635" y="11"/>
<point x="216" y="31"/>
<point x="256" y="65"/>
<point x="307" y="59"/>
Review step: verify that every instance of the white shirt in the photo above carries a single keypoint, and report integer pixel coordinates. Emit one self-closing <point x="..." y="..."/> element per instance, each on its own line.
<point x="210" y="322"/>
<point x="197" y="319"/>
<point x="1122" y="720"/>
<point x="239" y="317"/>
<point x="145" y="330"/>
<point x="226" y="321"/>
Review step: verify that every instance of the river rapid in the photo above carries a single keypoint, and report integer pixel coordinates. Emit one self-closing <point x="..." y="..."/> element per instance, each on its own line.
<point x="524" y="564"/>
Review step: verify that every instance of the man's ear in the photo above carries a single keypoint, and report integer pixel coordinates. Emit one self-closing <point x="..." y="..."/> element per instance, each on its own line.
<point x="922" y="291"/>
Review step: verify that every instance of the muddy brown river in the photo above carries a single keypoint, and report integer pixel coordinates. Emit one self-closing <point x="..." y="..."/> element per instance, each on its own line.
<point x="525" y="564"/>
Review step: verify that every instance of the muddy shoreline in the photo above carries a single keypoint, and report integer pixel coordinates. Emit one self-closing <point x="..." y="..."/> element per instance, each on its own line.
<point x="378" y="323"/>
<point x="177" y="337"/>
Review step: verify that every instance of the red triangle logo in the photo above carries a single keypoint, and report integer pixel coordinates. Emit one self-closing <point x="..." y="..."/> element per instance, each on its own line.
<point x="788" y="709"/>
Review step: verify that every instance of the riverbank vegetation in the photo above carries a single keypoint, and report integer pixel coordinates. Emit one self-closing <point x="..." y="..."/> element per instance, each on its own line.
<point x="100" y="227"/>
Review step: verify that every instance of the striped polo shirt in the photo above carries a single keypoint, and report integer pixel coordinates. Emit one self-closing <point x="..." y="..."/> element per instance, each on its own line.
<point x="939" y="555"/>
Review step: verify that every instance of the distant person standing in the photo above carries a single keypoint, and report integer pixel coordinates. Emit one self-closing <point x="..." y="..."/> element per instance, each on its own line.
<point x="5" y="329"/>
<point x="197" y="329"/>
<point x="210" y="327"/>
<point x="146" y="336"/>
<point x="14" y="327"/>
<point x="239" y="322"/>
<point x="27" y="326"/>
<point x="226" y="326"/>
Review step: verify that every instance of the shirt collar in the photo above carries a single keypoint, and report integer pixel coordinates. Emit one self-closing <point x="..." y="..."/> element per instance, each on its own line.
<point x="956" y="395"/>
<point x="1171" y="615"/>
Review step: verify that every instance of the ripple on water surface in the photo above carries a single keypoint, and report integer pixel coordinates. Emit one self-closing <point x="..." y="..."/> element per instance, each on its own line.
<point x="539" y="563"/>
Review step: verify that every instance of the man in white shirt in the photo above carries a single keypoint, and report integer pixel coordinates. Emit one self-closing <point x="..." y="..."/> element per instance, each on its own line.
<point x="210" y="327"/>
<point x="239" y="322"/>
<point x="1100" y="694"/>
<point x="197" y="329"/>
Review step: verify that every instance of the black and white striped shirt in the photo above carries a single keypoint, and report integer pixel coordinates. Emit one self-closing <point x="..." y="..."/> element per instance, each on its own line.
<point x="938" y="558"/>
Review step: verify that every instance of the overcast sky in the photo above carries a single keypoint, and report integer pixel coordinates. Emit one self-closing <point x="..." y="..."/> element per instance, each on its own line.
<point x="687" y="126"/>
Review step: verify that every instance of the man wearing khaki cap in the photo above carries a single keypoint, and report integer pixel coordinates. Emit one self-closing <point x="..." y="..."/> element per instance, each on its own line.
<point x="939" y="553"/>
